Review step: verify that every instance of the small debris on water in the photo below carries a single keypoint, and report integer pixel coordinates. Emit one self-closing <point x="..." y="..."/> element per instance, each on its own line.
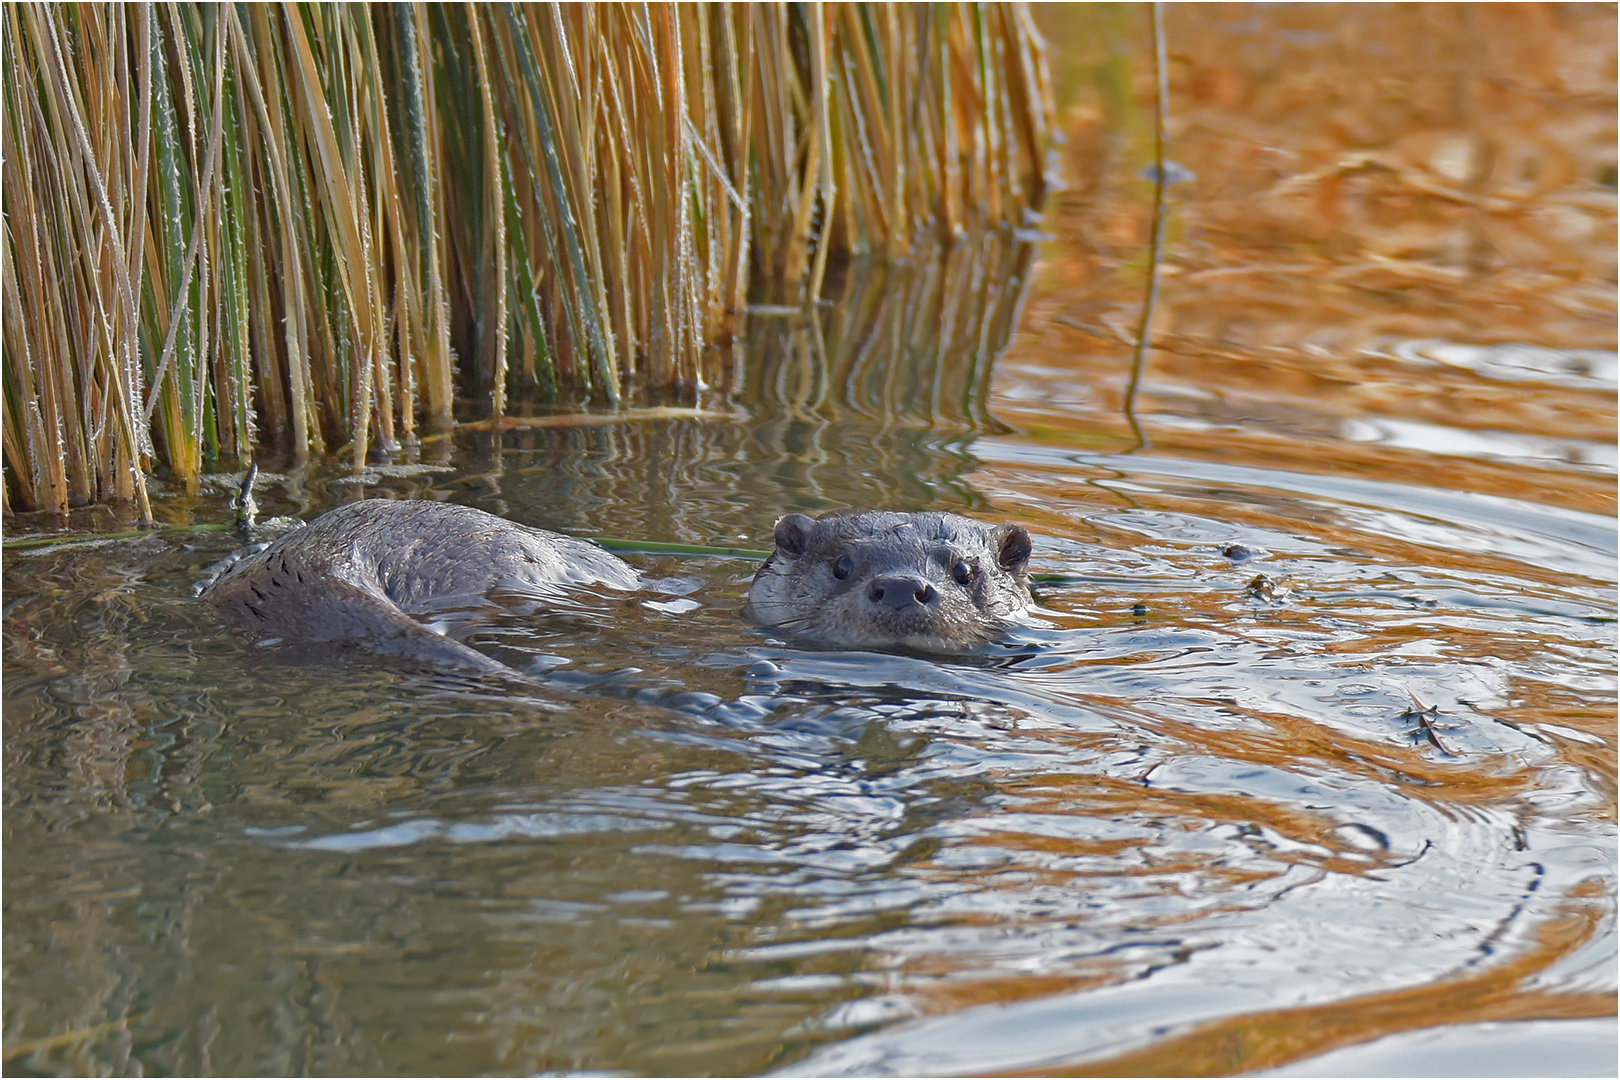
<point x="1271" y="590"/>
<point x="1424" y="726"/>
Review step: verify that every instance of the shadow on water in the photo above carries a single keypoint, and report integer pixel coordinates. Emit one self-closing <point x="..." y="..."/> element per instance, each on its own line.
<point x="1312" y="744"/>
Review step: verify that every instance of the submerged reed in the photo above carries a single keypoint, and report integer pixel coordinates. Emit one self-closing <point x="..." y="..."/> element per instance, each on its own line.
<point x="304" y="227"/>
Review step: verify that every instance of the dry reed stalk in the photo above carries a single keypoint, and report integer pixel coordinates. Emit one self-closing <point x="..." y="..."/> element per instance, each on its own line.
<point x="246" y="226"/>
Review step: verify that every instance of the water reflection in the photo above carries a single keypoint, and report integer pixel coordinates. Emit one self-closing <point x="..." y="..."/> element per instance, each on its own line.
<point x="1176" y="804"/>
<point x="908" y="344"/>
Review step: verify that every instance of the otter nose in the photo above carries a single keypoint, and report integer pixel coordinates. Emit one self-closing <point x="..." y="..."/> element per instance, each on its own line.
<point x="901" y="592"/>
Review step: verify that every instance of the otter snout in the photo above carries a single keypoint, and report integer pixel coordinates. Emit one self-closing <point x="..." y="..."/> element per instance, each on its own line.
<point x="901" y="593"/>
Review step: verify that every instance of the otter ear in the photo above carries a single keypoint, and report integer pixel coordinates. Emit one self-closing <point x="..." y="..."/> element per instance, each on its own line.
<point x="793" y="534"/>
<point x="1013" y="546"/>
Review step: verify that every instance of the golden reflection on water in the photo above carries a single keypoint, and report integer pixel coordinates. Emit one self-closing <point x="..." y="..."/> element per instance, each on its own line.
<point x="1423" y="181"/>
<point x="1256" y="1042"/>
<point x="1371" y="182"/>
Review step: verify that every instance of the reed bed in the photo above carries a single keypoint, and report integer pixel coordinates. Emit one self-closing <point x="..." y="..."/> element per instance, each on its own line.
<point x="320" y="229"/>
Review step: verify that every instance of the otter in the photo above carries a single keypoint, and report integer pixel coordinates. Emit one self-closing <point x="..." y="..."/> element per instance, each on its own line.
<point x="373" y="573"/>
<point x="365" y="574"/>
<point x="932" y="582"/>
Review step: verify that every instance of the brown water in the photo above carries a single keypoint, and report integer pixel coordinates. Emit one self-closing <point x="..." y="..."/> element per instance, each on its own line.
<point x="1195" y="823"/>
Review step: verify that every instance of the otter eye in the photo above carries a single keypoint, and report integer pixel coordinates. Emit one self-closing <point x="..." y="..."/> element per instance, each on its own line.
<point x="962" y="572"/>
<point x="844" y="567"/>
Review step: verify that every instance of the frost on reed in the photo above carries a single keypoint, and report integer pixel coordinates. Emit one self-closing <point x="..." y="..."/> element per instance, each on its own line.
<point x="308" y="228"/>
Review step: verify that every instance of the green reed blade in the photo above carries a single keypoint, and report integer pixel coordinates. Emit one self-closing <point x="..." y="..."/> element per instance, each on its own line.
<point x="550" y="154"/>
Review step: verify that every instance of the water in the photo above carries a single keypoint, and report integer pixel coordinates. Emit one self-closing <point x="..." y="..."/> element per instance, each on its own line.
<point x="1310" y="751"/>
<point x="709" y="851"/>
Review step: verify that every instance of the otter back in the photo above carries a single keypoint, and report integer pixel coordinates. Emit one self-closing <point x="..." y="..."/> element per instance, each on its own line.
<point x="869" y="579"/>
<point x="359" y="574"/>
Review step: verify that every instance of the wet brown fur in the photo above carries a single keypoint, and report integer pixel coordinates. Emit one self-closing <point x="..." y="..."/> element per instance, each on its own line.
<point x="363" y="573"/>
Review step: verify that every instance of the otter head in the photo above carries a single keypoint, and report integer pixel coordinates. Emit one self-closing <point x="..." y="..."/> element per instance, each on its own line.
<point x="934" y="582"/>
